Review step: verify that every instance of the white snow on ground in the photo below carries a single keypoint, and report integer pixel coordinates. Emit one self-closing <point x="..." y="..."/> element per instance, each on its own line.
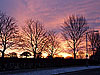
<point x="56" y="71"/>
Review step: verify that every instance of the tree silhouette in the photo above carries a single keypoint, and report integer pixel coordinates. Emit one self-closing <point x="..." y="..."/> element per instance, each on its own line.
<point x="96" y="56"/>
<point x="8" y="32"/>
<point x="53" y="45"/>
<point x="25" y="54"/>
<point x="13" y="55"/>
<point x="73" y="31"/>
<point x="81" y="54"/>
<point x="35" y="35"/>
<point x="94" y="39"/>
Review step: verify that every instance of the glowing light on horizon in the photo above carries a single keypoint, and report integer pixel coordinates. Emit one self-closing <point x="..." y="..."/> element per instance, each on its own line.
<point x="65" y="55"/>
<point x="44" y="55"/>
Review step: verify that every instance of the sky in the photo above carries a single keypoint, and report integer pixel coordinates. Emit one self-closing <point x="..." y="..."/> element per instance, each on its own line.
<point x="52" y="12"/>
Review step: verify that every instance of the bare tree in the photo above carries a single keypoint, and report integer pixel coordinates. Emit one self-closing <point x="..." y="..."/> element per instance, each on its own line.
<point x="13" y="55"/>
<point x="73" y="31"/>
<point x="81" y="54"/>
<point x="23" y="43"/>
<point x="8" y="32"/>
<point x="35" y="35"/>
<point x="94" y="39"/>
<point x="53" y="44"/>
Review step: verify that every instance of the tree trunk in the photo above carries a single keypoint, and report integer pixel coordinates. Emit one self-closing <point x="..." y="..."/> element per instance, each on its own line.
<point x="34" y="54"/>
<point x="2" y="54"/>
<point x="74" y="52"/>
<point x="52" y="51"/>
<point x="4" y="49"/>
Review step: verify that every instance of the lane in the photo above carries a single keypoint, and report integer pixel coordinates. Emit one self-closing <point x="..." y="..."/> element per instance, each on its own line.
<point x="84" y="72"/>
<point x="56" y="71"/>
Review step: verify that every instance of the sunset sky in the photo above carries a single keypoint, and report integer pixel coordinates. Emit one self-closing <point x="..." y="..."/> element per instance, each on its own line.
<point x="52" y="12"/>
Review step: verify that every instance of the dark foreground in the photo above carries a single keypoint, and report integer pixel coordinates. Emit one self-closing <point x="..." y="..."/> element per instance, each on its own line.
<point x="84" y="72"/>
<point x="10" y="64"/>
